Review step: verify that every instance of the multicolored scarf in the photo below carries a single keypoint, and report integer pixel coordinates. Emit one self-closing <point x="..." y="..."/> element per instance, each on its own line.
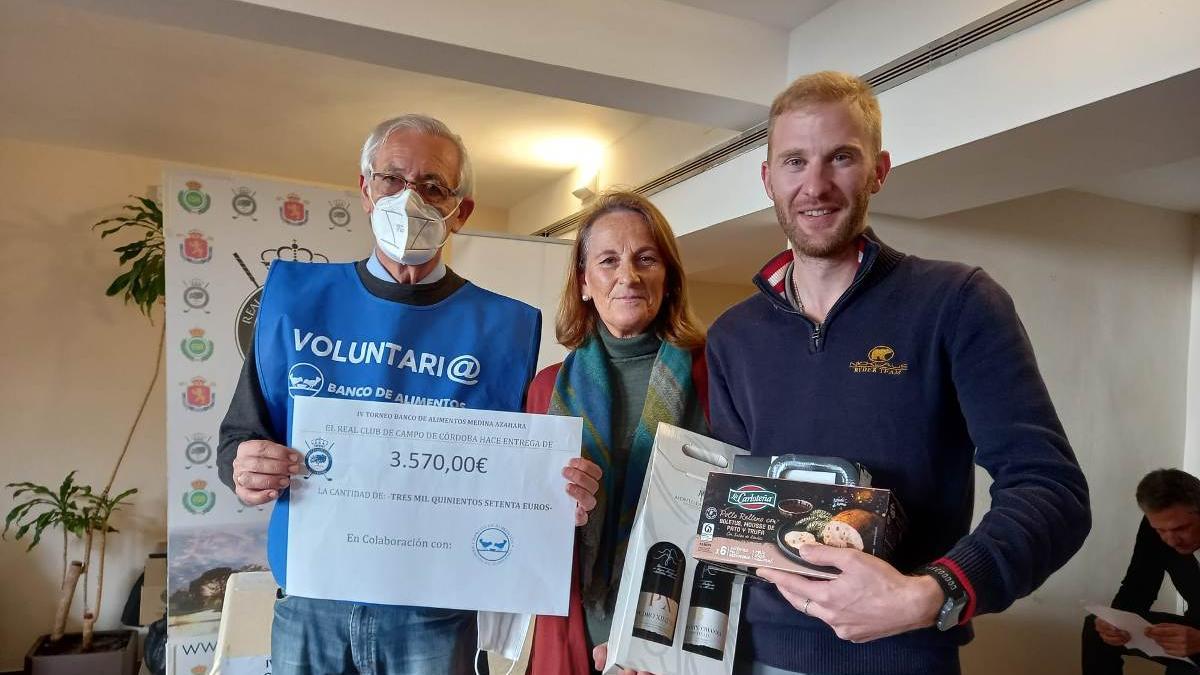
<point x="584" y="388"/>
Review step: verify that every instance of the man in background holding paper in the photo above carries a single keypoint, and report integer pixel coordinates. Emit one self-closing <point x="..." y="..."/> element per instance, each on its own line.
<point x="1167" y="542"/>
<point x="401" y="327"/>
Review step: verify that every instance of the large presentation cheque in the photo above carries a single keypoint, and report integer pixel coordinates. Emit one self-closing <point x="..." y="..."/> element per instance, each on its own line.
<point x="436" y="507"/>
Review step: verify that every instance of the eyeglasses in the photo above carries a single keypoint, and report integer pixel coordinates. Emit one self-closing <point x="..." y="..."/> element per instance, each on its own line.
<point x="433" y="192"/>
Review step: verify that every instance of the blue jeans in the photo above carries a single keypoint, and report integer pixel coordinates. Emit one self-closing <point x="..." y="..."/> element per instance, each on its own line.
<point x="320" y="637"/>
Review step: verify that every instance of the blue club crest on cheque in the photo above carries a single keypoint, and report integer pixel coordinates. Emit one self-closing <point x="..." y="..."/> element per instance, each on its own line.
<point x="319" y="458"/>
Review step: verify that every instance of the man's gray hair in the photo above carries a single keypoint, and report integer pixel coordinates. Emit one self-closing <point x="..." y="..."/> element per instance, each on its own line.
<point x="426" y="125"/>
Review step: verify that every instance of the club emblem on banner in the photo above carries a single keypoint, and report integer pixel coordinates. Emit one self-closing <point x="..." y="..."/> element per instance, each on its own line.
<point x="195" y="295"/>
<point x="197" y="347"/>
<point x="198" y="450"/>
<point x="247" y="314"/>
<point x="244" y="204"/>
<point x="319" y="458"/>
<point x="193" y="199"/>
<point x="195" y="247"/>
<point x="339" y="214"/>
<point x="294" y="211"/>
<point x="198" y="396"/>
<point x="199" y="500"/>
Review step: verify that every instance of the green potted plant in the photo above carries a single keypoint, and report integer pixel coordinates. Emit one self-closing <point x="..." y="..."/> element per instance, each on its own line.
<point x="76" y="509"/>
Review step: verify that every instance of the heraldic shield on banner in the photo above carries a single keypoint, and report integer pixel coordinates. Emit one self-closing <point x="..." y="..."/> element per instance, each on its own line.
<point x="199" y="395"/>
<point x="197" y="347"/>
<point x="193" y="199"/>
<point x="244" y="205"/>
<point x="195" y="248"/>
<point x="225" y="230"/>
<point x="294" y="211"/>
<point x="199" y="500"/>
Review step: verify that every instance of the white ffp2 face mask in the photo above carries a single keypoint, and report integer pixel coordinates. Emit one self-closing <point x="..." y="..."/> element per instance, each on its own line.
<point x="407" y="229"/>
<point x="503" y="633"/>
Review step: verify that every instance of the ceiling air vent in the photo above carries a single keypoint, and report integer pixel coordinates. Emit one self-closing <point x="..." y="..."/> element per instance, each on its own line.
<point x="998" y="25"/>
<point x="1011" y="18"/>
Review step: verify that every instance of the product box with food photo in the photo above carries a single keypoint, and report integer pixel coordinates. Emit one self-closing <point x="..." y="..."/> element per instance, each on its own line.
<point x="749" y="522"/>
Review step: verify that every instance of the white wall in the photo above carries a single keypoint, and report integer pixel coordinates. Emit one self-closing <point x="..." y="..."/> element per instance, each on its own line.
<point x="1191" y="459"/>
<point x="709" y="300"/>
<point x="75" y="365"/>
<point x="487" y="219"/>
<point x="1104" y="289"/>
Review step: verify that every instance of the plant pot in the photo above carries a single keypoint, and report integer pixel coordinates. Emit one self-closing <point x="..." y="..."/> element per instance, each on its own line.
<point x="114" y="652"/>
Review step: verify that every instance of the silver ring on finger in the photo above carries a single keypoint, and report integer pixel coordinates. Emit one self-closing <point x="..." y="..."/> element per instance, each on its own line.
<point x="804" y="610"/>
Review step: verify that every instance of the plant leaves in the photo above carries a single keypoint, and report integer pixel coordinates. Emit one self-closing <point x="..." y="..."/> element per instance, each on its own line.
<point x="144" y="283"/>
<point x="119" y="283"/>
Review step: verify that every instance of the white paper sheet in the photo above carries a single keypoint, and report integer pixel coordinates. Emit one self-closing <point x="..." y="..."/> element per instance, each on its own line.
<point x="1136" y="626"/>
<point x="435" y="507"/>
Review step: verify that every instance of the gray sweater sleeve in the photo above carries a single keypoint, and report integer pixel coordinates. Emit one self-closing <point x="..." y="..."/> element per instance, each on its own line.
<point x="247" y="419"/>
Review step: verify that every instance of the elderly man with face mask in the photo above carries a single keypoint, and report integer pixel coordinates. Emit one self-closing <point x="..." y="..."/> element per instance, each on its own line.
<point x="416" y="186"/>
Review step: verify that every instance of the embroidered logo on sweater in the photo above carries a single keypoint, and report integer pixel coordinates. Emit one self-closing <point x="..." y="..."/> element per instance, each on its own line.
<point x="879" y="360"/>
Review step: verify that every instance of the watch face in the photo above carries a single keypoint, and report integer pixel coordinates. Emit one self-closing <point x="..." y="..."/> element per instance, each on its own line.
<point x="950" y="613"/>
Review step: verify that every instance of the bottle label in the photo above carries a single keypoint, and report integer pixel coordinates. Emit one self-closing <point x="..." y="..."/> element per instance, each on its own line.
<point x="706" y="628"/>
<point x="656" y="613"/>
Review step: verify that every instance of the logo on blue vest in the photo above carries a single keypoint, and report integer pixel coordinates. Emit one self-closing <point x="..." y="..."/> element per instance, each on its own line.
<point x="305" y="379"/>
<point x="319" y="458"/>
<point x="464" y="369"/>
<point x="492" y="544"/>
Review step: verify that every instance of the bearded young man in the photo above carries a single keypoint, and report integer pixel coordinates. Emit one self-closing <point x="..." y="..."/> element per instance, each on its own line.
<point x="918" y="370"/>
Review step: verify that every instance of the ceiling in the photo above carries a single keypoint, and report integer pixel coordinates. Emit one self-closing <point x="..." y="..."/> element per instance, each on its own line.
<point x="1132" y="146"/>
<point x="1174" y="186"/>
<point x="1127" y="147"/>
<point x="782" y="14"/>
<point x="78" y="78"/>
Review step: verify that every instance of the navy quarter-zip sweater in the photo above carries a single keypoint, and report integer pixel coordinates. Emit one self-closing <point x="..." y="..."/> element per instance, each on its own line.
<point x="921" y="370"/>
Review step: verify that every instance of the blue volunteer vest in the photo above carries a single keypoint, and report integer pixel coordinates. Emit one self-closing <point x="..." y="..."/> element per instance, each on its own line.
<point x="321" y="333"/>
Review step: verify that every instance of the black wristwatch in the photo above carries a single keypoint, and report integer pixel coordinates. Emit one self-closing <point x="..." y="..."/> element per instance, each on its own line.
<point x="950" y="614"/>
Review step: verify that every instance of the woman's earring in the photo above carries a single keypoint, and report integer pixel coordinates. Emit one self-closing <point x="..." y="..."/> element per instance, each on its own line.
<point x="586" y="297"/>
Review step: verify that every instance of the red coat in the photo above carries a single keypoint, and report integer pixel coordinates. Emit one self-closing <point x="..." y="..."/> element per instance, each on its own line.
<point x="560" y="644"/>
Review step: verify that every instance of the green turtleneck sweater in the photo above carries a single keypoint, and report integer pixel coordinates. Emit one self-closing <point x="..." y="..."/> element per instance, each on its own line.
<point x="631" y="359"/>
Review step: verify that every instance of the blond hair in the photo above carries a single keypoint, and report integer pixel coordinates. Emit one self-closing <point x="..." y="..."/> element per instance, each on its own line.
<point x="830" y="86"/>
<point x="675" y="323"/>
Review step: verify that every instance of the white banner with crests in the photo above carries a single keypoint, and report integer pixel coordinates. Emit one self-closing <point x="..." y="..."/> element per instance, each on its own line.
<point x="222" y="232"/>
